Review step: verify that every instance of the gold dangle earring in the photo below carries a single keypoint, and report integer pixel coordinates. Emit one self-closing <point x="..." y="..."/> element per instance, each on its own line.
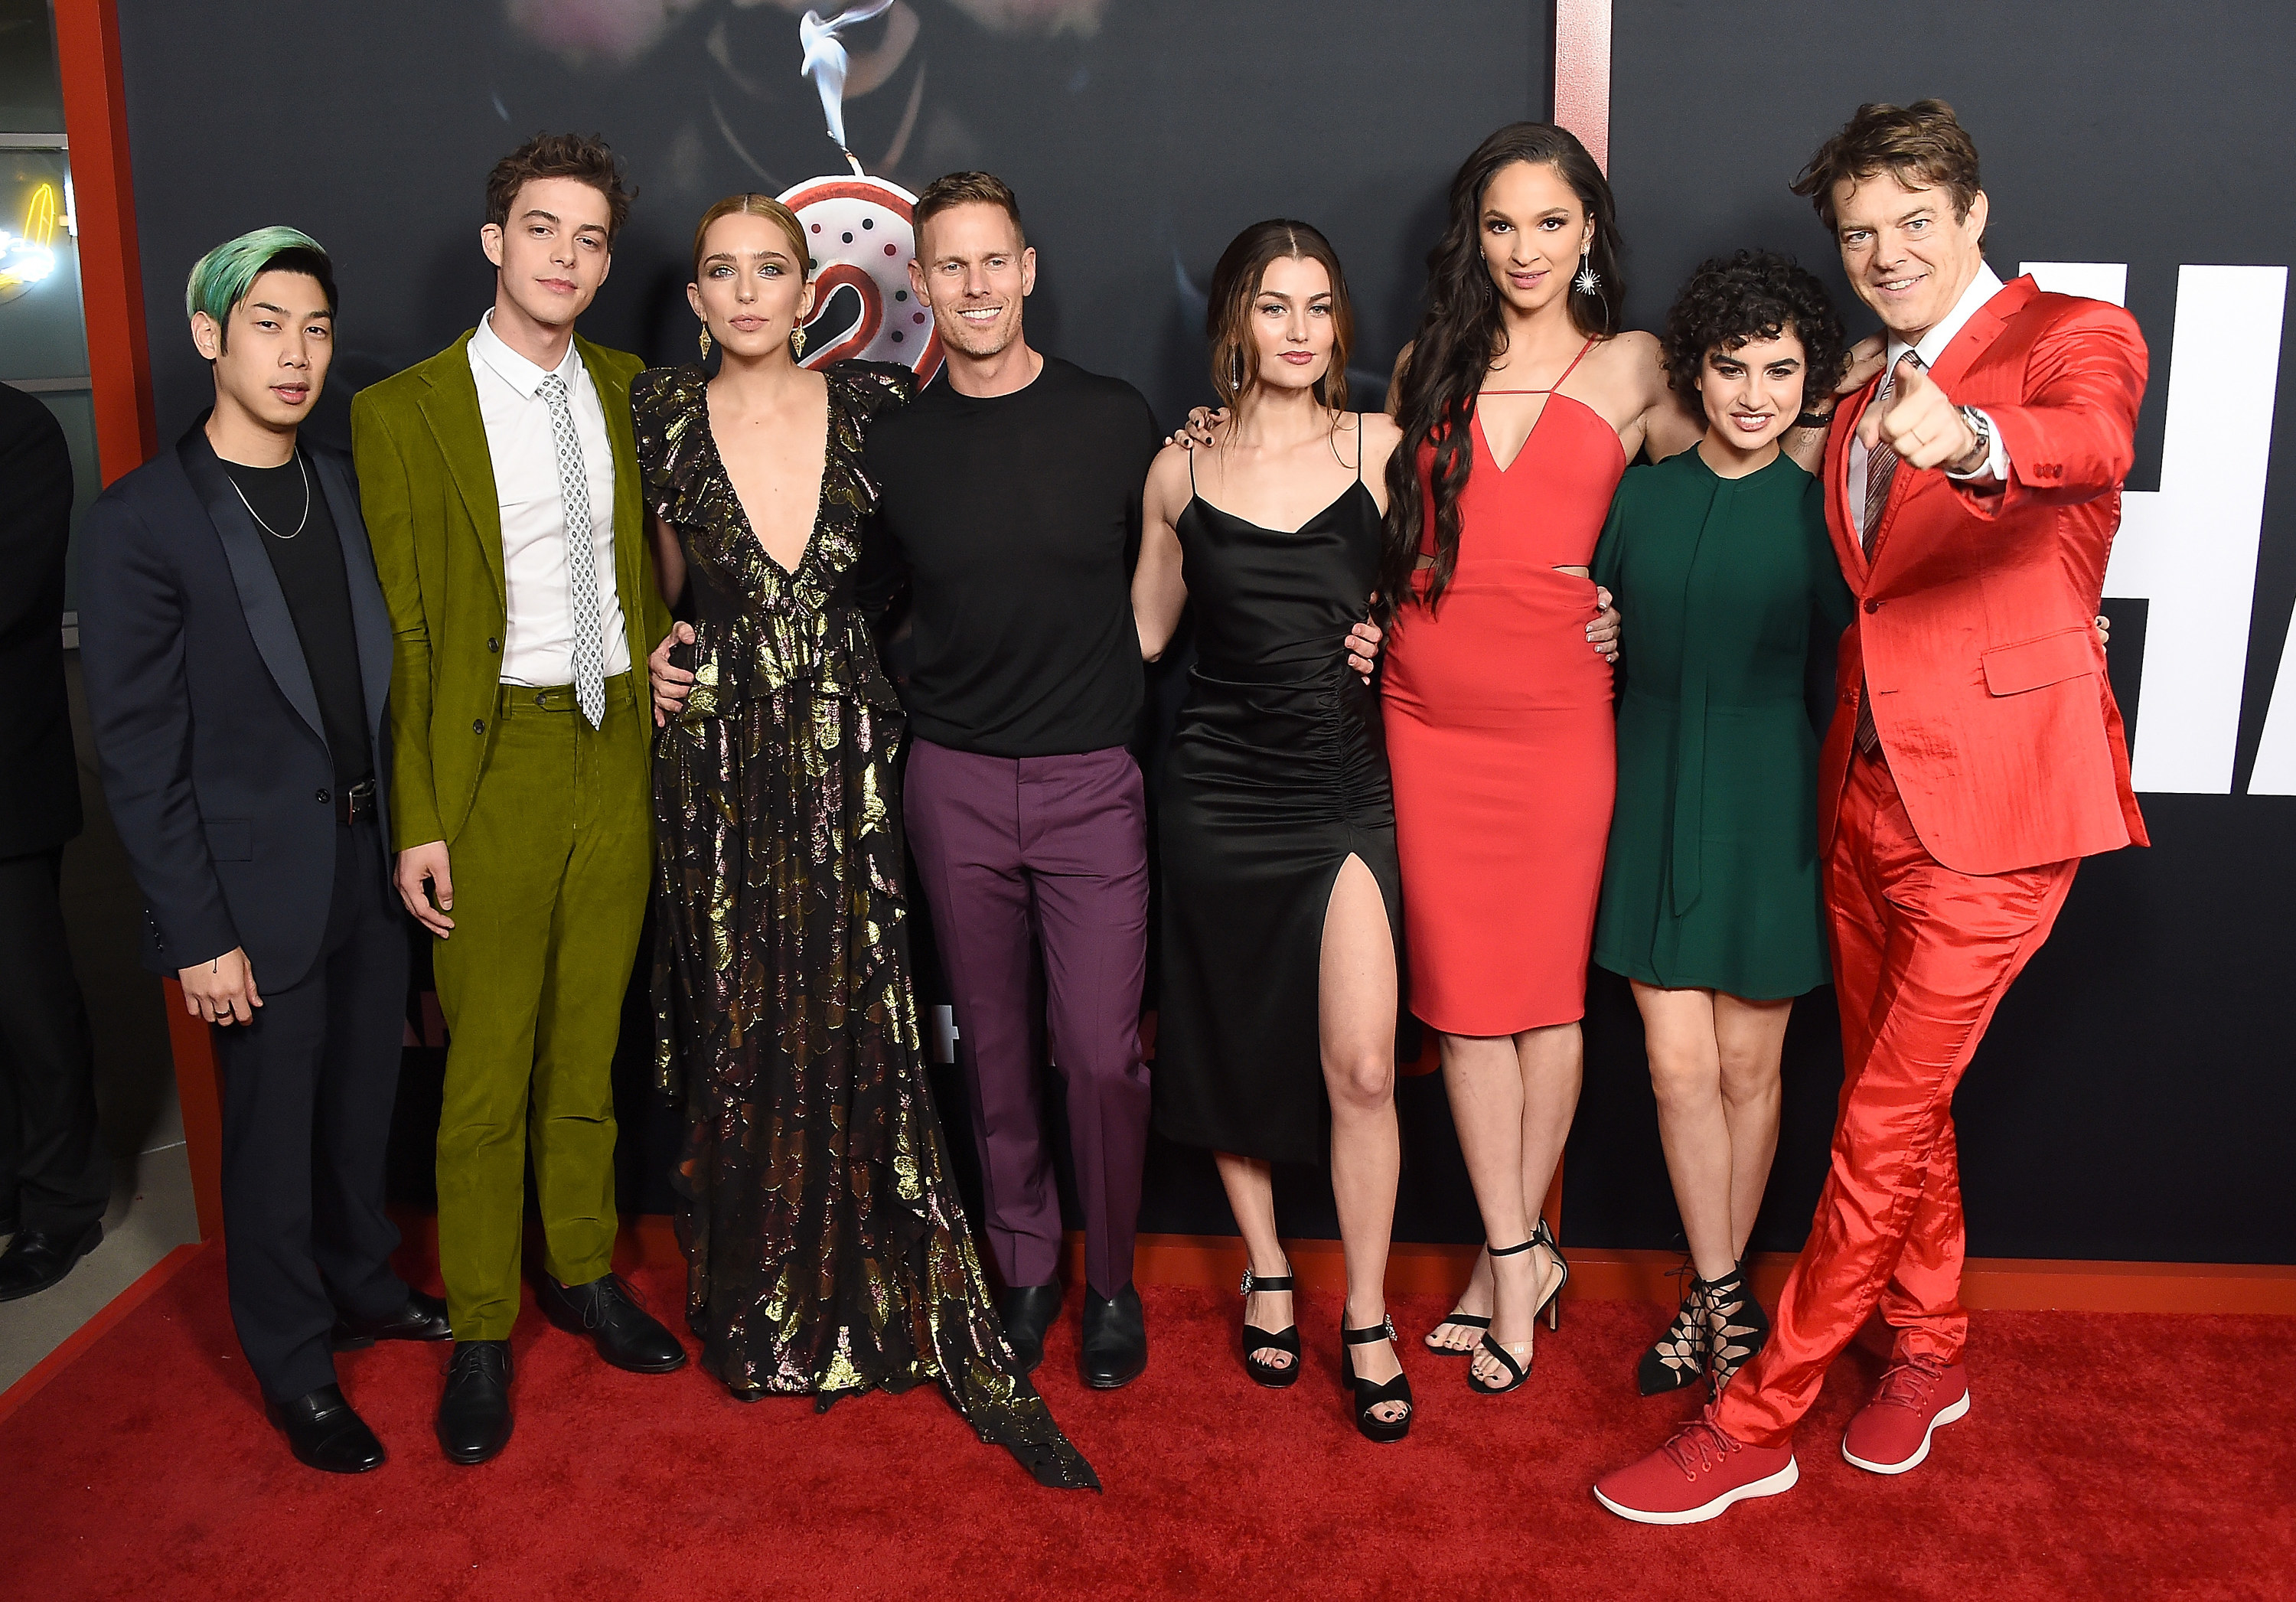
<point x="705" y="341"/>
<point x="797" y="342"/>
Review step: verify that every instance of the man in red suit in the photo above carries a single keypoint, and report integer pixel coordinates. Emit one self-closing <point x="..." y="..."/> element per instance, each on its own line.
<point x="1972" y="488"/>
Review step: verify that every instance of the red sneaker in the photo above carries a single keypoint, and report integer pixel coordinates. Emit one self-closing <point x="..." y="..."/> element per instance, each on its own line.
<point x="1696" y="1475"/>
<point x="1892" y="1433"/>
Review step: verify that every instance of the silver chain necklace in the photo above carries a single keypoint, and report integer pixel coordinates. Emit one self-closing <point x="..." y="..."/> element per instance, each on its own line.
<point x="257" y="516"/>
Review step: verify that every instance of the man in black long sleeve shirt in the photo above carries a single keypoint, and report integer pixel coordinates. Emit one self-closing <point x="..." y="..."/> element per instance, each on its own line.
<point x="1010" y="490"/>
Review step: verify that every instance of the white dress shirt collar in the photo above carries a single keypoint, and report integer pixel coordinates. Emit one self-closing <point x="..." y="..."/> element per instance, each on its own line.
<point x="1982" y="288"/>
<point x="514" y="369"/>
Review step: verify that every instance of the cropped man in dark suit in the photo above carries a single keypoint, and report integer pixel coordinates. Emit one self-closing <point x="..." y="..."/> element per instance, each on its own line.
<point x="237" y="652"/>
<point x="54" y="1178"/>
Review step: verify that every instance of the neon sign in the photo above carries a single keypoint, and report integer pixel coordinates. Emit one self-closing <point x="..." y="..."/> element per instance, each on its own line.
<point x="27" y="257"/>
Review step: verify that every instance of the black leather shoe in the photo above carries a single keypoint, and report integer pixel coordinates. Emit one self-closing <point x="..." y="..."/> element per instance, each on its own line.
<point x="625" y="1335"/>
<point x="1028" y="1310"/>
<point x="423" y="1318"/>
<point x="474" y="1410"/>
<point x="36" y="1260"/>
<point x="1115" y="1347"/>
<point x="324" y="1430"/>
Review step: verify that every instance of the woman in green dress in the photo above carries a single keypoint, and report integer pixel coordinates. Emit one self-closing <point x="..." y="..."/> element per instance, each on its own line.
<point x="1720" y="559"/>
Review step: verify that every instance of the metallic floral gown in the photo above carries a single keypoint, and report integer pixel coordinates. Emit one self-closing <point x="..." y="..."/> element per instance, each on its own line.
<point x="826" y="1250"/>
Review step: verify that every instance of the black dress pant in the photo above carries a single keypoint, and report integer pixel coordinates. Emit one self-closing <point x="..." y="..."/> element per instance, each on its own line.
<point x="54" y="1174"/>
<point x="307" y="1089"/>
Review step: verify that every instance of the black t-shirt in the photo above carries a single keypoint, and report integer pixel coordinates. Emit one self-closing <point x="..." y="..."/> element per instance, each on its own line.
<point x="310" y="569"/>
<point x="1017" y="518"/>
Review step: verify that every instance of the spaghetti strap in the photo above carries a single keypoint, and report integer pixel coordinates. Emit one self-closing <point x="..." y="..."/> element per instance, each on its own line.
<point x="1358" y="447"/>
<point x="1192" y="471"/>
<point x="1575" y="360"/>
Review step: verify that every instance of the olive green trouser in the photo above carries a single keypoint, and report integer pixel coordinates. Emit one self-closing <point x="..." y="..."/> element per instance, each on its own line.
<point x="550" y="875"/>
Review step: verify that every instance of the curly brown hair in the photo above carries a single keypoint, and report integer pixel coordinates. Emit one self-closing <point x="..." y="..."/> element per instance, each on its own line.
<point x="1752" y="295"/>
<point x="583" y="157"/>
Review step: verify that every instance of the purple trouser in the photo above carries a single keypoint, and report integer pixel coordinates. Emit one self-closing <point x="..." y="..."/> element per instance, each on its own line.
<point x="1019" y="852"/>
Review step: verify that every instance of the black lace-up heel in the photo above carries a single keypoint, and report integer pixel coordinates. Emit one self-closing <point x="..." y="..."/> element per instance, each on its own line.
<point x="1375" y="1393"/>
<point x="1274" y="1376"/>
<point x="1678" y="1358"/>
<point x="1736" y="1327"/>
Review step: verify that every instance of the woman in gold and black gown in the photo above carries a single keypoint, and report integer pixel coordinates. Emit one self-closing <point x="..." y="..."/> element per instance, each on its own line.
<point x="827" y="1251"/>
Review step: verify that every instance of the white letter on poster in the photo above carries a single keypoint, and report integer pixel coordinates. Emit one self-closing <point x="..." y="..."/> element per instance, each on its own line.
<point x="2189" y="548"/>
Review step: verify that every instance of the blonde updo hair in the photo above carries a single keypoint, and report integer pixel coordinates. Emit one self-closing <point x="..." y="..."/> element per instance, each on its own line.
<point x="756" y="205"/>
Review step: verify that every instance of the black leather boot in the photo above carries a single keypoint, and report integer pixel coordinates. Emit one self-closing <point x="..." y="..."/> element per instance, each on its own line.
<point x="1115" y="1349"/>
<point x="1028" y="1310"/>
<point x="324" y="1431"/>
<point x="423" y="1318"/>
<point x="625" y="1334"/>
<point x="474" y="1410"/>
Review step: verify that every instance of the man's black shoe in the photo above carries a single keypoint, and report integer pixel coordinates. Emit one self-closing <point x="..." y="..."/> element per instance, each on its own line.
<point x="323" y="1431"/>
<point x="1028" y="1312"/>
<point x="474" y="1410"/>
<point x="1115" y="1339"/>
<point x="36" y="1260"/>
<point x="423" y="1318"/>
<point x="625" y="1335"/>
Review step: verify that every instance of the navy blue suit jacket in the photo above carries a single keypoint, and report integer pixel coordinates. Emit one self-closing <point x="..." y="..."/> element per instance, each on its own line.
<point x="207" y="731"/>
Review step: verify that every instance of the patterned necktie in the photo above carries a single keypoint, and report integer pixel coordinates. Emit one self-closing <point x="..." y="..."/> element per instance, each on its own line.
<point x="1880" y="468"/>
<point x="581" y="562"/>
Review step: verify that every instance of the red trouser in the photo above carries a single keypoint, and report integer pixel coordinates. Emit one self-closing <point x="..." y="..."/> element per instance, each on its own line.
<point x="1922" y="956"/>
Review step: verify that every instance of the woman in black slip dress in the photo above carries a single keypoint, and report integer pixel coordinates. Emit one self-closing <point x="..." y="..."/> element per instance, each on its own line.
<point x="1282" y="906"/>
<point x="827" y="1252"/>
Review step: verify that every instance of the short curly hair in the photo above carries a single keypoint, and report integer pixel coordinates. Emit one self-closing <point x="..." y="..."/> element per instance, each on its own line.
<point x="1752" y="295"/>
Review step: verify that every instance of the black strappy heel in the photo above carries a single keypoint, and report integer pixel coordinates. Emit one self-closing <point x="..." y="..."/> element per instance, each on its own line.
<point x="1541" y="1236"/>
<point x="1736" y="1327"/>
<point x="1376" y="1393"/>
<point x="1678" y="1358"/>
<point x="1255" y="1339"/>
<point x="1520" y="1371"/>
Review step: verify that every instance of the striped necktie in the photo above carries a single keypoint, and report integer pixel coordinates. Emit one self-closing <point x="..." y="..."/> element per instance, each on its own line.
<point x="1881" y="468"/>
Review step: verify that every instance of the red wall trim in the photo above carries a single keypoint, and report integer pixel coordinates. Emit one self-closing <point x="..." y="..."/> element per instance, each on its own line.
<point x="103" y="199"/>
<point x="1582" y="74"/>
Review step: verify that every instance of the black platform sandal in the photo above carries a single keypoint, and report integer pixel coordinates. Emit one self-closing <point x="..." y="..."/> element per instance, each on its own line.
<point x="1255" y="1339"/>
<point x="1736" y="1327"/>
<point x="1678" y="1358"/>
<point x="1519" y="1371"/>
<point x="1375" y="1393"/>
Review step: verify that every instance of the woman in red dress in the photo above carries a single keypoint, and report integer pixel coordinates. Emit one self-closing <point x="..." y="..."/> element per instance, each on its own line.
<point x="1520" y="403"/>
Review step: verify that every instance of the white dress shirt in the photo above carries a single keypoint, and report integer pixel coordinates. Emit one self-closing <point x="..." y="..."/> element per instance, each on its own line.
<point x="539" y="637"/>
<point x="1982" y="289"/>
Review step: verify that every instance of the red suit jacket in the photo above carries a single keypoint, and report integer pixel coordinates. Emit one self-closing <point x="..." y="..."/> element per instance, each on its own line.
<point x="1974" y="626"/>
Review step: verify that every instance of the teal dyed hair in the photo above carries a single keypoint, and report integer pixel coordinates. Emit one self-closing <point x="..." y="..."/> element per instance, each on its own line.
<point x="221" y="278"/>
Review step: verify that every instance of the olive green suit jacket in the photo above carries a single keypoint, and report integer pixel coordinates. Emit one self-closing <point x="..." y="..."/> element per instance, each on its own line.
<point x="427" y="488"/>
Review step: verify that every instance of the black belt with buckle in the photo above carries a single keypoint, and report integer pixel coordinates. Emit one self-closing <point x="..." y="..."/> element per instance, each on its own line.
<point x="355" y="803"/>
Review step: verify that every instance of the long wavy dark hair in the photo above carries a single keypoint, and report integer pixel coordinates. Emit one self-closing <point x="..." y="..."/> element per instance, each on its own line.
<point x="1434" y="397"/>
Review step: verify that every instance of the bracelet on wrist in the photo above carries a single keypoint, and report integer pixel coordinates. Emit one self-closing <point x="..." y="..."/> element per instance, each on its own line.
<point x="1815" y="419"/>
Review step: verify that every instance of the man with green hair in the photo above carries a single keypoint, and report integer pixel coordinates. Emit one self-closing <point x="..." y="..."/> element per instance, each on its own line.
<point x="237" y="651"/>
<point x="501" y="481"/>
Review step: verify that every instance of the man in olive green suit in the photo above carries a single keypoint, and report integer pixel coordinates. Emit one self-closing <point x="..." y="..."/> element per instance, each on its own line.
<point x="500" y="486"/>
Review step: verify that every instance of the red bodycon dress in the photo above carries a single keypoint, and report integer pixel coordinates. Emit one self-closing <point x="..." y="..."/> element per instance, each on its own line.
<point x="1501" y="738"/>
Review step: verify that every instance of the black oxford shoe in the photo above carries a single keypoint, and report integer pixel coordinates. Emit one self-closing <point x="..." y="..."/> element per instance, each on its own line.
<point x="474" y="1410"/>
<point x="423" y="1318"/>
<point x="324" y="1431"/>
<point x="36" y="1260"/>
<point x="1115" y="1347"/>
<point x="1028" y="1310"/>
<point x="625" y="1335"/>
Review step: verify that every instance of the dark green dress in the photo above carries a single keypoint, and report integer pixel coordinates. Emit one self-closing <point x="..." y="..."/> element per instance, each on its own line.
<point x="1732" y="605"/>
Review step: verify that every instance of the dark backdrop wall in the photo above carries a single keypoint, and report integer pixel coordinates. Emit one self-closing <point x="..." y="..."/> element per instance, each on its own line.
<point x="2130" y="1100"/>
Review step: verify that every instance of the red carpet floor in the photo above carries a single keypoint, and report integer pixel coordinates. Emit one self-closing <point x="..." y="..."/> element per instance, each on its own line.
<point x="2137" y="1457"/>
